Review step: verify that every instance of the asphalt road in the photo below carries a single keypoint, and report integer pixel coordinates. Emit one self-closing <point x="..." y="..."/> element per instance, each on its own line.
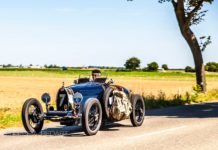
<point x="193" y="127"/>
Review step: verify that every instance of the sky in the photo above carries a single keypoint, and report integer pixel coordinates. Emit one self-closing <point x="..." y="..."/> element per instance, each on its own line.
<point x="98" y="32"/>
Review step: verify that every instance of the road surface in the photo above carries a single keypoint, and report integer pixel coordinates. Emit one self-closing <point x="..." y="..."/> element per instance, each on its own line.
<point x="193" y="127"/>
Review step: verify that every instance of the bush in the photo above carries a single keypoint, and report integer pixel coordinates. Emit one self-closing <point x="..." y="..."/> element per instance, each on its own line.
<point x="152" y="66"/>
<point x="161" y="101"/>
<point x="123" y="70"/>
<point x="189" y="69"/>
<point x="145" y="69"/>
<point x="64" y="68"/>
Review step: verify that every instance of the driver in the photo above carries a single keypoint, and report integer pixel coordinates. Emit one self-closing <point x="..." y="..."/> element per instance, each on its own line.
<point x="95" y="73"/>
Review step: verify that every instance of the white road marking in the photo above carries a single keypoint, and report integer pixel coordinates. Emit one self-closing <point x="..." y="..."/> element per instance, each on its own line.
<point x="157" y="132"/>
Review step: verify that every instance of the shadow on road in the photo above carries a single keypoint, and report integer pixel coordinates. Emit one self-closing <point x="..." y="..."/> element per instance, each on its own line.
<point x="68" y="131"/>
<point x="204" y="110"/>
<point x="53" y="131"/>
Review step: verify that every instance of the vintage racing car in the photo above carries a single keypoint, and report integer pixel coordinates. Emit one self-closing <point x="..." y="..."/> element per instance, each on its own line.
<point x="87" y="103"/>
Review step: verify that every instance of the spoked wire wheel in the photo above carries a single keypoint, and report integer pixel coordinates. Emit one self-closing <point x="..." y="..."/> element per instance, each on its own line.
<point x="138" y="111"/>
<point x="139" y="115"/>
<point x="92" y="117"/>
<point x="31" y="112"/>
<point x="108" y="94"/>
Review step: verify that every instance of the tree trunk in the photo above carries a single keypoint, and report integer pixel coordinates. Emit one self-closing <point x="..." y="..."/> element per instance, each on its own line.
<point x="198" y="59"/>
<point x="192" y="42"/>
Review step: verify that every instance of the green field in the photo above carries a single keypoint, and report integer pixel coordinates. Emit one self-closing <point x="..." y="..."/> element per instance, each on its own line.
<point x="172" y="75"/>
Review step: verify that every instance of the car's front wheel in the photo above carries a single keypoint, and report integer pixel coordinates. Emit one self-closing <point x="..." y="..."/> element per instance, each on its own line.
<point x="92" y="117"/>
<point x="31" y="112"/>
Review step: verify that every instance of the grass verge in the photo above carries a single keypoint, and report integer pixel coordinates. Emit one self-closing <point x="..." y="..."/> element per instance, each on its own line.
<point x="162" y="101"/>
<point x="10" y="118"/>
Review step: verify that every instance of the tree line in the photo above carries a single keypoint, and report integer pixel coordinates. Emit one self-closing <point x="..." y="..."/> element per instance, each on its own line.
<point x="210" y="67"/>
<point x="133" y="63"/>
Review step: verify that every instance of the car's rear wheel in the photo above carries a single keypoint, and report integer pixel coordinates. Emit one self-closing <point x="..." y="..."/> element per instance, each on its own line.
<point x="138" y="110"/>
<point x="92" y="117"/>
<point x="108" y="94"/>
<point x="31" y="112"/>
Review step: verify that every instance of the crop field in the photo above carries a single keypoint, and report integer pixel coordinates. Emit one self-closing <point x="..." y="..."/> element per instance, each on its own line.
<point x="17" y="86"/>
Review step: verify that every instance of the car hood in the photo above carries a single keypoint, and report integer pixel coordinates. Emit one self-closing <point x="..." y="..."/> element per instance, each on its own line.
<point x="89" y="90"/>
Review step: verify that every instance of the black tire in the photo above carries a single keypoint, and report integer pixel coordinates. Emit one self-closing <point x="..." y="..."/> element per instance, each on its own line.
<point x="108" y="93"/>
<point x="92" y="117"/>
<point x="138" y="110"/>
<point x="30" y="118"/>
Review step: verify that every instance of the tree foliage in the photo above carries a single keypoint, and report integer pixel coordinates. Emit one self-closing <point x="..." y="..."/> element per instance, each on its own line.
<point x="165" y="67"/>
<point x="53" y="66"/>
<point x="153" y="66"/>
<point x="192" y="14"/>
<point x="132" y="63"/>
<point x="212" y="67"/>
<point x="189" y="69"/>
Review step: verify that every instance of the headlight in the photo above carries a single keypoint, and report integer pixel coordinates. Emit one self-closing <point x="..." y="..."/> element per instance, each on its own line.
<point x="46" y="98"/>
<point x="77" y="98"/>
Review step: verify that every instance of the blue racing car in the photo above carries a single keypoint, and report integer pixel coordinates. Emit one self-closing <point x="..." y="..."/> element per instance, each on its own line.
<point x="87" y="103"/>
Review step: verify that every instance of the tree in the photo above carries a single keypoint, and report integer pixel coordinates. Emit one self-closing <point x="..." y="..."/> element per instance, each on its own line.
<point x="188" y="13"/>
<point x="152" y="66"/>
<point x="8" y="66"/>
<point x="132" y="63"/>
<point x="211" y="66"/>
<point x="46" y="66"/>
<point x="165" y="67"/>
